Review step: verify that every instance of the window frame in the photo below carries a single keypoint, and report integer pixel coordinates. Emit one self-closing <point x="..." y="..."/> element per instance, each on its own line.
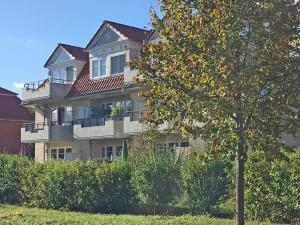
<point x="114" y="56"/>
<point x="99" y="66"/>
<point x="57" y="153"/>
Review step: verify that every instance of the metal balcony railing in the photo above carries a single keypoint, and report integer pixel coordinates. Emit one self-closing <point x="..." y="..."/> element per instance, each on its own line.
<point x="93" y="122"/>
<point x="137" y="116"/>
<point x="35" y="85"/>
<point x="34" y="127"/>
<point x="90" y="122"/>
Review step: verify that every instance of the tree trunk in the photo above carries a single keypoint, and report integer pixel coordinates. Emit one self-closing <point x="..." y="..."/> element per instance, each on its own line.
<point x="240" y="218"/>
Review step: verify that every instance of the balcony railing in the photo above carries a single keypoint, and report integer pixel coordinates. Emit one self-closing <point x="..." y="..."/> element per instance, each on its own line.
<point x="35" y="85"/>
<point x="34" y="127"/>
<point x="94" y="122"/>
<point x="136" y="116"/>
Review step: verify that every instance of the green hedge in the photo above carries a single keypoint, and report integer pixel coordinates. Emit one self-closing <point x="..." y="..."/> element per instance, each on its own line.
<point x="12" y="172"/>
<point x="155" y="178"/>
<point x="272" y="188"/>
<point x="205" y="181"/>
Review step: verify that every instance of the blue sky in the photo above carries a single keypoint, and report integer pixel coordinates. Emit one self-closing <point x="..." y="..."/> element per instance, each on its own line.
<point x="30" y="30"/>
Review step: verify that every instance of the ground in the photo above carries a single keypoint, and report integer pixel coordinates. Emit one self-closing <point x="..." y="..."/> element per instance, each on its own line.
<point x="10" y="214"/>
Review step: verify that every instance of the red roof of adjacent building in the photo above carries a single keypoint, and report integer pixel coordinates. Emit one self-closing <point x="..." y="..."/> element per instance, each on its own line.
<point x="84" y="85"/>
<point x="133" y="33"/>
<point x="11" y="107"/>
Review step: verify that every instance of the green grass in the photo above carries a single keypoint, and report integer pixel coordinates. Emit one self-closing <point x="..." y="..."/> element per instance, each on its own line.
<point x="10" y="214"/>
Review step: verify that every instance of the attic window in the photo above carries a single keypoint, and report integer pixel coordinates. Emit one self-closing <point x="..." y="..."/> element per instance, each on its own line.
<point x="98" y="68"/>
<point x="118" y="64"/>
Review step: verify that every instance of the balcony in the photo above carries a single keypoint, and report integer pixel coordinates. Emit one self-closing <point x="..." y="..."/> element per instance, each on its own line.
<point x="98" y="128"/>
<point x="42" y="132"/>
<point x="45" y="89"/>
<point x="133" y="124"/>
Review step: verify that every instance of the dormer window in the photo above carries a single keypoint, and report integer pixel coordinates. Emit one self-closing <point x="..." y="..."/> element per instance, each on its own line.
<point x="98" y="68"/>
<point x="63" y="75"/>
<point x="118" y="64"/>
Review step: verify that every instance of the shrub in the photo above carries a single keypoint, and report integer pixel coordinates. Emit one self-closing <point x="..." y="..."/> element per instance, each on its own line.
<point x="155" y="178"/>
<point x="12" y="172"/>
<point x="114" y="192"/>
<point x="204" y="181"/>
<point x="272" y="187"/>
<point x="63" y="185"/>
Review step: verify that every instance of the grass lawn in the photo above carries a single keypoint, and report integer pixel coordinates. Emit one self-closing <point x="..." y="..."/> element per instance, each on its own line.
<point x="10" y="214"/>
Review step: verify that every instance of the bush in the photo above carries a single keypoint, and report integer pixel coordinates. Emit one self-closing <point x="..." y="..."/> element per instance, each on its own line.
<point x="272" y="187"/>
<point x="204" y="181"/>
<point x="114" y="192"/>
<point x="155" y="178"/>
<point x="12" y="172"/>
<point x="68" y="185"/>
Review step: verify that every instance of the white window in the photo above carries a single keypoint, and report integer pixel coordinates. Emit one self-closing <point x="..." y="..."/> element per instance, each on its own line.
<point x="59" y="153"/>
<point x="118" y="64"/>
<point x="103" y="67"/>
<point x="70" y="74"/>
<point x="59" y="75"/>
<point x="111" y="152"/>
<point x="98" y="68"/>
<point x="95" y="68"/>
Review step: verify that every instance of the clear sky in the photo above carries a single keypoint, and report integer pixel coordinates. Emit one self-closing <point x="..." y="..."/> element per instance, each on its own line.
<point x="31" y="29"/>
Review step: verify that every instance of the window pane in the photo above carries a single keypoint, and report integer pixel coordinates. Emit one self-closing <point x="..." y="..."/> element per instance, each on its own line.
<point x="55" y="76"/>
<point x="118" y="64"/>
<point x="53" y="154"/>
<point x="68" y="150"/>
<point x="102" y="67"/>
<point x="95" y="68"/>
<point x="68" y="115"/>
<point x="62" y="75"/>
<point x="114" y="65"/>
<point x="122" y="61"/>
<point x="61" y="153"/>
<point x="103" y="152"/>
<point x="184" y="144"/>
<point x="70" y="74"/>
<point x="118" y="150"/>
<point x="109" y="152"/>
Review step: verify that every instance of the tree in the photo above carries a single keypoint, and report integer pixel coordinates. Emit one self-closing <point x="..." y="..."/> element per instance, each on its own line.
<point x="231" y="66"/>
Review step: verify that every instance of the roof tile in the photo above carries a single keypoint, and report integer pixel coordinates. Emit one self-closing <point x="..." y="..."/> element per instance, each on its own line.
<point x="83" y="85"/>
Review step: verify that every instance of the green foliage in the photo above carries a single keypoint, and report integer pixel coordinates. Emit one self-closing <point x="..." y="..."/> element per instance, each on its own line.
<point x="12" y="171"/>
<point x="114" y="192"/>
<point x="155" y="178"/>
<point x="272" y="187"/>
<point x="229" y="66"/>
<point x="205" y="181"/>
<point x="68" y="185"/>
<point x="77" y="185"/>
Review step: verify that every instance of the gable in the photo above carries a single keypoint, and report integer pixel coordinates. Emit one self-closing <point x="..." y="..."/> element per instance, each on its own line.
<point x="60" y="56"/>
<point x="108" y="36"/>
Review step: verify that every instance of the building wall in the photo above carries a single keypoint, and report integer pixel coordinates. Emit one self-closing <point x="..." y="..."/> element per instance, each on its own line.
<point x="10" y="136"/>
<point x="39" y="152"/>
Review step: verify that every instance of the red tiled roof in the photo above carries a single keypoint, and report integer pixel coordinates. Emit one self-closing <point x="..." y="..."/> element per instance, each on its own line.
<point x="83" y="85"/>
<point x="133" y="33"/>
<point x="11" y="107"/>
<point x="77" y="52"/>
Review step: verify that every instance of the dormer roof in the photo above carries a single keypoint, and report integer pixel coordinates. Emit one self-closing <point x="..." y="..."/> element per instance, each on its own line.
<point x="130" y="32"/>
<point x="77" y="53"/>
